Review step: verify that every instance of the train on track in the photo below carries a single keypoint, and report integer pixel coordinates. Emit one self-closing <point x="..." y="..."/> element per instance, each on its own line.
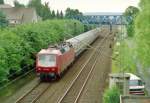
<point x="53" y="61"/>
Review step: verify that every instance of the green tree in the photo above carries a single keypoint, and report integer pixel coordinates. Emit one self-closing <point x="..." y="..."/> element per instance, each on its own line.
<point x="3" y="21"/>
<point x="42" y="10"/>
<point x="142" y="33"/>
<point x="72" y="13"/>
<point x="61" y="14"/>
<point x="1" y="1"/>
<point x="53" y="14"/>
<point x="17" y="4"/>
<point x="46" y="12"/>
<point x="130" y="15"/>
<point x="37" y="5"/>
<point x="57" y="14"/>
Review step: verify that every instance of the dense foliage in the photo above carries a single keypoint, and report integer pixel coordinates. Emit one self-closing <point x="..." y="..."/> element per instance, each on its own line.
<point x="142" y="29"/>
<point x="44" y="11"/>
<point x="130" y="15"/>
<point x="1" y="1"/>
<point x="73" y="13"/>
<point x="37" y="5"/>
<point x="19" y="45"/>
<point x="112" y="95"/>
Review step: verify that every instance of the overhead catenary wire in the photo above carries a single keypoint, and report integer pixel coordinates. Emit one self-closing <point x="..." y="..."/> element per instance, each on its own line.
<point x="18" y="71"/>
<point x="78" y="39"/>
<point x="82" y="42"/>
<point x="91" y="47"/>
<point x="16" y="79"/>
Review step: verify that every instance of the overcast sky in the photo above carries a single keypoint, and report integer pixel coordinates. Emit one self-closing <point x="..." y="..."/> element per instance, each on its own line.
<point x="87" y="5"/>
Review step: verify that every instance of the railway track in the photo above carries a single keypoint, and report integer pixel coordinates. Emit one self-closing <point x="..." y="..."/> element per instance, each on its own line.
<point x="93" y="91"/>
<point x="76" y="87"/>
<point x="32" y="95"/>
<point x="59" y="88"/>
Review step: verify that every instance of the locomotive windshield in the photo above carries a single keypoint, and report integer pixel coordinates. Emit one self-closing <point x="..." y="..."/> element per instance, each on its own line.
<point x="47" y="60"/>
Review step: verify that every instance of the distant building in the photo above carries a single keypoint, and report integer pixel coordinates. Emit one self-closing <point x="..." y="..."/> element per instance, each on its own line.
<point x="5" y="6"/>
<point x="20" y="15"/>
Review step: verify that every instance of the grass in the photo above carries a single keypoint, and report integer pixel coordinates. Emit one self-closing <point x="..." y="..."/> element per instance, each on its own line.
<point x="111" y="95"/>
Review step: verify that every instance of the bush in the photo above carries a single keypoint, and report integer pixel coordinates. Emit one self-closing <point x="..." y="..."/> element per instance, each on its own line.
<point x="19" y="45"/>
<point x="142" y="34"/>
<point x="112" y="95"/>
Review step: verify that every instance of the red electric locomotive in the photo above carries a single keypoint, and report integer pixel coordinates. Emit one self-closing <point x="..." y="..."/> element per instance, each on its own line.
<point x="51" y="62"/>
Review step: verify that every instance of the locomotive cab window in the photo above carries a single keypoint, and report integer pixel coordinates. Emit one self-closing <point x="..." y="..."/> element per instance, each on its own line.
<point x="47" y="60"/>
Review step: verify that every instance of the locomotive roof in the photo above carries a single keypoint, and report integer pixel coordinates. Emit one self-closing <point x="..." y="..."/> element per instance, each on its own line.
<point x="49" y="51"/>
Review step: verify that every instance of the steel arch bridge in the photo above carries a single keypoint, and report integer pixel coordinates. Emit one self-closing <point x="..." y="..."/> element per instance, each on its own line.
<point x="102" y="18"/>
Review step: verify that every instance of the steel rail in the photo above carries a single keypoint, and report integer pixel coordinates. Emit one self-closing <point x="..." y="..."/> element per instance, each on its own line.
<point x="35" y="99"/>
<point x="30" y="91"/>
<point x="83" y="87"/>
<point x="73" y="82"/>
<point x="85" y="81"/>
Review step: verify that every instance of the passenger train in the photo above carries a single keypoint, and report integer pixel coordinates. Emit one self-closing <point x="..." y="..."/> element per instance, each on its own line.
<point x="52" y="62"/>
